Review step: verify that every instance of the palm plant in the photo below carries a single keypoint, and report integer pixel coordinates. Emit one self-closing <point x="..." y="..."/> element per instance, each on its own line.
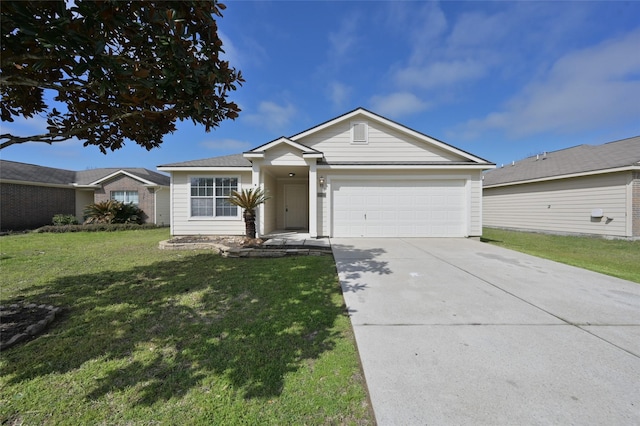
<point x="249" y="200"/>
<point x="112" y="211"/>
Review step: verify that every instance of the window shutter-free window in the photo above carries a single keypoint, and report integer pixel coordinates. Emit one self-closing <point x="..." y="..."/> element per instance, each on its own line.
<point x="125" y="197"/>
<point x="210" y="197"/>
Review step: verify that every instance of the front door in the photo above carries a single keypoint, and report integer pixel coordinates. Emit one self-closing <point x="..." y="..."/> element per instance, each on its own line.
<point x="296" y="206"/>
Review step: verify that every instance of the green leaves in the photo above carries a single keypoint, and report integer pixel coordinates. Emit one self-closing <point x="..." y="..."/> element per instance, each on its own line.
<point x="112" y="211"/>
<point x="125" y="70"/>
<point x="248" y="199"/>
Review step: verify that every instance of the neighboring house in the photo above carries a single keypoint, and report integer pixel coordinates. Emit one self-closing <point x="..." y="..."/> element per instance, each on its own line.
<point x="357" y="175"/>
<point x="31" y="195"/>
<point x="581" y="190"/>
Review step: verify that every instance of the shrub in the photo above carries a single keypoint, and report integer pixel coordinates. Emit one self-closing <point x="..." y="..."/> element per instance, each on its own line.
<point x="64" y="219"/>
<point x="98" y="227"/>
<point x="112" y="211"/>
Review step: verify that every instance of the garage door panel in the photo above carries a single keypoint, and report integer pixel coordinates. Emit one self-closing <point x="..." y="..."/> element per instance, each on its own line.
<point x="401" y="208"/>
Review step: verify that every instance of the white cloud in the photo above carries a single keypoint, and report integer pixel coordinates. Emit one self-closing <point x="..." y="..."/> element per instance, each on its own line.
<point x="343" y="41"/>
<point x="438" y="74"/>
<point x="423" y="25"/>
<point x="398" y="104"/>
<point x="581" y="90"/>
<point x="272" y="116"/>
<point x="338" y="93"/>
<point x="231" y="54"/>
<point x="226" y="145"/>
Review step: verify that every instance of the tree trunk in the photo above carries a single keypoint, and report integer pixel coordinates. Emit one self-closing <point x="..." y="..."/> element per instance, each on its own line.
<point x="250" y="223"/>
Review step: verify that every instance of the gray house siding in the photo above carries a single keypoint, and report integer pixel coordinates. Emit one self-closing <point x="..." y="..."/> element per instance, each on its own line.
<point x="635" y="191"/>
<point x="566" y="205"/>
<point x="30" y="206"/>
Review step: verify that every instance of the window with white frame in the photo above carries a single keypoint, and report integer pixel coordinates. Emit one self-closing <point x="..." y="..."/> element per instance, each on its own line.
<point x="125" y="197"/>
<point x="359" y="132"/>
<point x="210" y="196"/>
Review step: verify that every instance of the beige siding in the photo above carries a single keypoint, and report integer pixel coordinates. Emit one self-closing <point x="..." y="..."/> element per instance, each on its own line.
<point x="635" y="204"/>
<point x="83" y="199"/>
<point x="284" y="155"/>
<point x="563" y="205"/>
<point x="162" y="207"/>
<point x="182" y="224"/>
<point x="475" y="198"/>
<point x="323" y="230"/>
<point x="271" y="205"/>
<point x="385" y="144"/>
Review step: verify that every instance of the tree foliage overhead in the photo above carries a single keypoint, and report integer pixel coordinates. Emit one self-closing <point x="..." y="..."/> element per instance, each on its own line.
<point x="122" y="69"/>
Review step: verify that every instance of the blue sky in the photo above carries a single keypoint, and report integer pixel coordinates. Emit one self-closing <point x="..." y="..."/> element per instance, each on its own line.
<point x="502" y="80"/>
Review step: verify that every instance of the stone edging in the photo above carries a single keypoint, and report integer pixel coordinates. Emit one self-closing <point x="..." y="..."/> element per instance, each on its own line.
<point x="275" y="252"/>
<point x="33" y="329"/>
<point x="263" y="251"/>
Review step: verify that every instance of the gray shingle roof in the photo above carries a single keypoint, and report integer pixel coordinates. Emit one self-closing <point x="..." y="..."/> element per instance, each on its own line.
<point x="12" y="170"/>
<point x="575" y="160"/>
<point x="86" y="177"/>
<point x="234" y="160"/>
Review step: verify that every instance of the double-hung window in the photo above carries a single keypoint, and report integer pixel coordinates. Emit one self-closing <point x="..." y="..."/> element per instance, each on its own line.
<point x="125" y="197"/>
<point x="210" y="197"/>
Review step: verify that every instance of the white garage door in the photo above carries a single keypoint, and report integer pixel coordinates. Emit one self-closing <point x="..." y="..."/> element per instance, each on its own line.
<point x="400" y="208"/>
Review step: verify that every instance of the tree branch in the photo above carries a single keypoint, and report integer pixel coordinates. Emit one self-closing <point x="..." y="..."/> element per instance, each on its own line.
<point x="46" y="138"/>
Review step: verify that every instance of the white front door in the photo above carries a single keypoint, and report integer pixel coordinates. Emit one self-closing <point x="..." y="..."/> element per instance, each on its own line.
<point x="399" y="208"/>
<point x="296" y="207"/>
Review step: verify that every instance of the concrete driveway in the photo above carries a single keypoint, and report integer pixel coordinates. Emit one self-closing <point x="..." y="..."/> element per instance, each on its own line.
<point x="455" y="331"/>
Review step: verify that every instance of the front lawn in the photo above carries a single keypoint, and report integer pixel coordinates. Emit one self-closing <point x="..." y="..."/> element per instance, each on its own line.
<point x="176" y="337"/>
<point x="620" y="258"/>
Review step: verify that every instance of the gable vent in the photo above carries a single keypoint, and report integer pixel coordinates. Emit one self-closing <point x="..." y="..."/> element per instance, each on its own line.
<point x="359" y="132"/>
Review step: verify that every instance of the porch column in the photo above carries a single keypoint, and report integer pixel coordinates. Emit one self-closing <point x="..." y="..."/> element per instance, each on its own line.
<point x="255" y="183"/>
<point x="313" y="198"/>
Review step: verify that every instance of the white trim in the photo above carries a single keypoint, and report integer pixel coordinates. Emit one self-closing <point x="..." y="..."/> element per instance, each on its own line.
<point x="628" y="208"/>
<point x="258" y="152"/>
<point x="405" y="167"/>
<point x="207" y="169"/>
<point x="190" y="217"/>
<point x="313" y="200"/>
<point x="131" y="175"/>
<point x="567" y="176"/>
<point x="312" y="155"/>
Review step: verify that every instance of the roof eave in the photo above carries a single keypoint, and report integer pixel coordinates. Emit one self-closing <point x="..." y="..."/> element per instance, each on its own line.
<point x="566" y="176"/>
<point x="34" y="183"/>
<point x="123" y="172"/>
<point x="204" y="168"/>
<point x="407" y="166"/>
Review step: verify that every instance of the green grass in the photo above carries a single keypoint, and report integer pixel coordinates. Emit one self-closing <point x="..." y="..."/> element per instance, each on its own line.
<point x="619" y="258"/>
<point x="176" y="337"/>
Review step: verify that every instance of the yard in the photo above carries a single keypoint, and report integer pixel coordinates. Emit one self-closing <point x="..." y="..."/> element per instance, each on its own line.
<point x="619" y="258"/>
<point x="176" y="337"/>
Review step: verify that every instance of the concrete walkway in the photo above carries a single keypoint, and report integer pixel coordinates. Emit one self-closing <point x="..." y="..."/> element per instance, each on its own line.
<point x="455" y="331"/>
<point x="295" y="238"/>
